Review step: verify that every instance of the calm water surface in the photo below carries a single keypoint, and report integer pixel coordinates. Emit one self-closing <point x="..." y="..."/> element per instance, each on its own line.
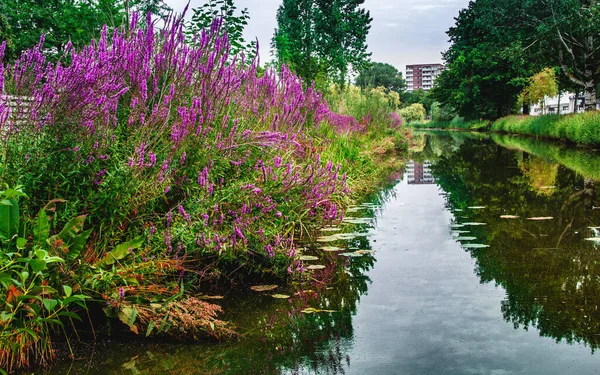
<point x="453" y="286"/>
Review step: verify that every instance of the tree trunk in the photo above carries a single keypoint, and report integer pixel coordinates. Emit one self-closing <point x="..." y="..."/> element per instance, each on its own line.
<point x="590" y="96"/>
<point x="558" y="107"/>
<point x="576" y="104"/>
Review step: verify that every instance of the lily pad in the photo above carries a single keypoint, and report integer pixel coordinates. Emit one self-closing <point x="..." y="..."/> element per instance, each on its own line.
<point x="477" y="207"/>
<point x="509" y="217"/>
<point x="315" y="267"/>
<point x="474" y="246"/>
<point x="474" y="224"/>
<point x="312" y="310"/>
<point x="280" y="296"/>
<point x="351" y="255"/>
<point x="457" y="225"/>
<point x="327" y="239"/>
<point x="331" y="248"/>
<point x="465" y="238"/>
<point x="308" y="257"/>
<point x="357" y="220"/>
<point x="542" y="218"/>
<point x="331" y="229"/>
<point x="593" y="239"/>
<point x="459" y="232"/>
<point x="263" y="288"/>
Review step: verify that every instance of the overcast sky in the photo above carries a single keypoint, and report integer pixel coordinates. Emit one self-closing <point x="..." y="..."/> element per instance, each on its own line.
<point x="403" y="31"/>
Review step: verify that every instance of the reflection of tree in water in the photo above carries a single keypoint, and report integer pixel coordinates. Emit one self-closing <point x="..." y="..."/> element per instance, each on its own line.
<point x="277" y="336"/>
<point x="550" y="273"/>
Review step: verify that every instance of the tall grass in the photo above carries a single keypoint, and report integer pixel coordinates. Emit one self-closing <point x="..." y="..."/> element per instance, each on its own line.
<point x="581" y="128"/>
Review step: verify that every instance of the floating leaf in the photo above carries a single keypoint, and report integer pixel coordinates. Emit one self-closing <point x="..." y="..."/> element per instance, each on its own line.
<point x="352" y="255"/>
<point x="331" y="248"/>
<point x="509" y="217"/>
<point x="357" y="220"/>
<point x="457" y="225"/>
<point x="458" y="210"/>
<point x="312" y="310"/>
<point x="331" y="229"/>
<point x="459" y="232"/>
<point x="477" y="207"/>
<point x="593" y="239"/>
<point x="474" y="224"/>
<point x="327" y="239"/>
<point x="263" y="288"/>
<point x="547" y="187"/>
<point x="540" y="218"/>
<point x="280" y="296"/>
<point x="315" y="267"/>
<point x="465" y="238"/>
<point x="474" y="246"/>
<point x="308" y="257"/>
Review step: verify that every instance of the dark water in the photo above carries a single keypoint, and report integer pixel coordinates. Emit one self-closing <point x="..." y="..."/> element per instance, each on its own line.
<point x="452" y="287"/>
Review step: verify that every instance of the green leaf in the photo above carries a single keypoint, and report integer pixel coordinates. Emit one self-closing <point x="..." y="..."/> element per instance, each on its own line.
<point x="37" y="265"/>
<point x="4" y="316"/>
<point x="50" y="304"/>
<point x="9" y="219"/>
<point x="120" y="252"/>
<point x="70" y="314"/>
<point x="77" y="244"/>
<point x="68" y="290"/>
<point x="21" y="243"/>
<point x="150" y="328"/>
<point x="41" y="229"/>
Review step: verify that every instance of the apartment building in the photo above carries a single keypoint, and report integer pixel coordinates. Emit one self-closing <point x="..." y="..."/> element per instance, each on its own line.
<point x="422" y="76"/>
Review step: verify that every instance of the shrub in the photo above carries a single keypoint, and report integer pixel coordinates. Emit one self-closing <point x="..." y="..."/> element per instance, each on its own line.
<point x="413" y="113"/>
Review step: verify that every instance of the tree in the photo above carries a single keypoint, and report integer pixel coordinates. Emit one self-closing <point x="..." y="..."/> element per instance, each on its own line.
<point x="487" y="64"/>
<point x="233" y="24"/>
<point x="540" y="86"/>
<point x="382" y="75"/>
<point x="6" y="36"/>
<point x="414" y="112"/>
<point x="418" y="96"/>
<point x="157" y="8"/>
<point x="342" y="27"/>
<point x="322" y="39"/>
<point x="567" y="31"/>
<point x="60" y="21"/>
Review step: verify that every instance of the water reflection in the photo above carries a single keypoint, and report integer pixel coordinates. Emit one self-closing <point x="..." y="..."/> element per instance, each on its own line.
<point x="538" y="213"/>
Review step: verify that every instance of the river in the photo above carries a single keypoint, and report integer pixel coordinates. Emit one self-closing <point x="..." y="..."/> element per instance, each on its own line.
<point x="479" y="260"/>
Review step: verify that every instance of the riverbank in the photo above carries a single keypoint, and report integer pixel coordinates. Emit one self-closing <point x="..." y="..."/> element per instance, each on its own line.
<point x="148" y="175"/>
<point x="578" y="128"/>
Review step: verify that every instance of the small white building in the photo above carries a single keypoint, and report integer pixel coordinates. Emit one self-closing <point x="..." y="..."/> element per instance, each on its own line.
<point x="562" y="104"/>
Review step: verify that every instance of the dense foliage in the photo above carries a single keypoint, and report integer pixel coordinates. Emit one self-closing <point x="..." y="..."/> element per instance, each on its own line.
<point x="322" y="40"/>
<point x="381" y="75"/>
<point x="498" y="45"/>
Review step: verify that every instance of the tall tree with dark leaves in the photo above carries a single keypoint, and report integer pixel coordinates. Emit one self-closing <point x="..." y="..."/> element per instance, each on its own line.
<point x="381" y="75"/>
<point x="322" y="39"/>
<point x="342" y="27"/>
<point x="295" y="41"/>
<point x="486" y="64"/>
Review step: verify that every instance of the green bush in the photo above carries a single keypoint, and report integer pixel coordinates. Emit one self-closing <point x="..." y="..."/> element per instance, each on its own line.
<point x="413" y="113"/>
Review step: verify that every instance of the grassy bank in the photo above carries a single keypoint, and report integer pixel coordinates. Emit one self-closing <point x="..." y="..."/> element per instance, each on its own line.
<point x="456" y="124"/>
<point x="580" y="128"/>
<point x="141" y="171"/>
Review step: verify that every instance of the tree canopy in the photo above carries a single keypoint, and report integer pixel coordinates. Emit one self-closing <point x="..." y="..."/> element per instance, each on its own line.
<point x="381" y="75"/>
<point x="322" y="39"/>
<point x="498" y="45"/>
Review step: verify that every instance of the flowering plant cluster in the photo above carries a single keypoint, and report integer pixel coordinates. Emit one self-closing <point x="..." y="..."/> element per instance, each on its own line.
<point x="190" y="164"/>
